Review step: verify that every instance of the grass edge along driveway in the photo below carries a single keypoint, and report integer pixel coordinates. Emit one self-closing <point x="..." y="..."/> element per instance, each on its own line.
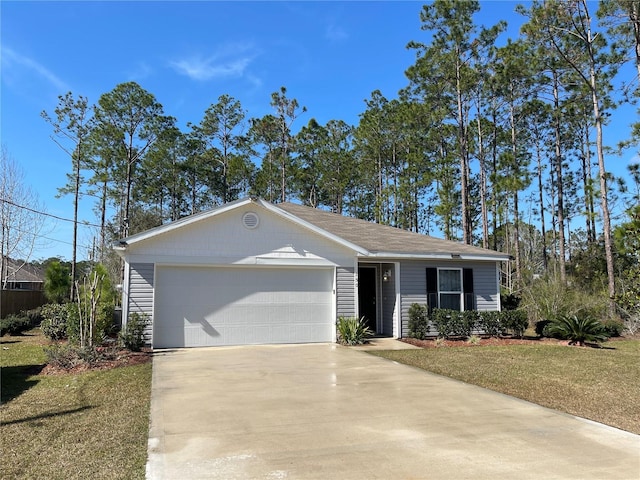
<point x="598" y="384"/>
<point x="73" y="426"/>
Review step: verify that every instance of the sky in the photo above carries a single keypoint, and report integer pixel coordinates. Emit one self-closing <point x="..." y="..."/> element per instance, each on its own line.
<point x="329" y="55"/>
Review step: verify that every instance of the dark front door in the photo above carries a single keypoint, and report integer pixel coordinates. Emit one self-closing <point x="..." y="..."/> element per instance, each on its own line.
<point x="367" y="296"/>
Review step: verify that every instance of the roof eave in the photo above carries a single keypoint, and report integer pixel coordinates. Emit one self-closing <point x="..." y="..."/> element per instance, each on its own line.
<point x="440" y="256"/>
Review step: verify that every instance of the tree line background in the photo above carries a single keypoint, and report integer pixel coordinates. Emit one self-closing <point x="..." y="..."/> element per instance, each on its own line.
<point x="492" y="143"/>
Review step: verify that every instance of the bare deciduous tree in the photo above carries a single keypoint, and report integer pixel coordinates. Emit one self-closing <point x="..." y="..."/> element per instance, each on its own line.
<point x="22" y="218"/>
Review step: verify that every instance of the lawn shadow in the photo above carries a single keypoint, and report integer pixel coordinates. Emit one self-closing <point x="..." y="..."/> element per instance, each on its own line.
<point x="48" y="415"/>
<point x="16" y="379"/>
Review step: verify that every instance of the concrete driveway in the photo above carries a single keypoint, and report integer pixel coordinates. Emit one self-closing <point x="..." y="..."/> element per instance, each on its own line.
<point x="323" y="411"/>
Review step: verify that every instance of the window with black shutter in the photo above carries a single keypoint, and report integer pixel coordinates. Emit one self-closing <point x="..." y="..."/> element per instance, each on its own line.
<point x="467" y="287"/>
<point x="432" y="288"/>
<point x="450" y="288"/>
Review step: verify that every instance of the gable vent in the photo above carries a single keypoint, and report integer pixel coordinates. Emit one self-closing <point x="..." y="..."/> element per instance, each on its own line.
<point x="250" y="220"/>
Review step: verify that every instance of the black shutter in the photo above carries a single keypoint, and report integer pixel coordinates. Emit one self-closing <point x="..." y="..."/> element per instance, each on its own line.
<point x="432" y="288"/>
<point x="467" y="289"/>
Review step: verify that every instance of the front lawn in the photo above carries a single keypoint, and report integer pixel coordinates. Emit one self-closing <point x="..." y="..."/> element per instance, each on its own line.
<point x="88" y="425"/>
<point x="598" y="384"/>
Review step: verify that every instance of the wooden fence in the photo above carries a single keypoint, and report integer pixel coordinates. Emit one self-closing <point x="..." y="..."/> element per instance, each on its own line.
<point x="14" y="301"/>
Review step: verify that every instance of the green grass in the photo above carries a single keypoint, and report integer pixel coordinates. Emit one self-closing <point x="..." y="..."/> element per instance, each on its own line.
<point x="88" y="425"/>
<point x="599" y="384"/>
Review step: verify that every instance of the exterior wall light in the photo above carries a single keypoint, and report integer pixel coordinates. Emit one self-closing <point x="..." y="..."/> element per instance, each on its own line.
<point x="386" y="276"/>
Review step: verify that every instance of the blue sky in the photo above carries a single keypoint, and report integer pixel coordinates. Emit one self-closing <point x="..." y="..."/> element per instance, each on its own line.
<point x="329" y="55"/>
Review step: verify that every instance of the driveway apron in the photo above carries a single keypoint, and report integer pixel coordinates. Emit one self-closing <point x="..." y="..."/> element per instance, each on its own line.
<point x="322" y="411"/>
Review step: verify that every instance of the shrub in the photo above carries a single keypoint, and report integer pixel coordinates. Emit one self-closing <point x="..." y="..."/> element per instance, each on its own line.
<point x="577" y="329"/>
<point x="541" y="327"/>
<point x="613" y="327"/>
<point x="54" y="321"/>
<point x="34" y="316"/>
<point x="62" y="356"/>
<point x="491" y="323"/>
<point x="132" y="337"/>
<point x="510" y="301"/>
<point x="352" y="331"/>
<point x="418" y="321"/>
<point x="103" y="327"/>
<point x="452" y="323"/>
<point x="14" y="325"/>
<point x="516" y="321"/>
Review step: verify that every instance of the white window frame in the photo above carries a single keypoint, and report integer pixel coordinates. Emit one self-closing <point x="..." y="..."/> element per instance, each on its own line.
<point x="448" y="292"/>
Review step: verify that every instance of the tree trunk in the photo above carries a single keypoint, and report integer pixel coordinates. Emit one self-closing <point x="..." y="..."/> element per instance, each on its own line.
<point x="606" y="220"/>
<point x="483" y="188"/>
<point x="559" y="180"/>
<point x="464" y="159"/>
<point x="76" y="199"/>
<point x="542" y="210"/>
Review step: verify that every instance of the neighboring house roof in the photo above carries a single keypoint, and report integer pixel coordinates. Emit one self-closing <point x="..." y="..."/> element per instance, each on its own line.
<point x="18" y="271"/>
<point x="366" y="238"/>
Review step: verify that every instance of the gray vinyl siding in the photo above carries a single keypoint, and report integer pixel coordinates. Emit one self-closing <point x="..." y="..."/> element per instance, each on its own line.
<point x="141" y="292"/>
<point x="485" y="286"/>
<point x="413" y="285"/>
<point x="388" y="299"/>
<point x="345" y="292"/>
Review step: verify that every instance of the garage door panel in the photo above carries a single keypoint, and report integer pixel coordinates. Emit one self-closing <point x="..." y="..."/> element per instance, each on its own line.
<point x="232" y="306"/>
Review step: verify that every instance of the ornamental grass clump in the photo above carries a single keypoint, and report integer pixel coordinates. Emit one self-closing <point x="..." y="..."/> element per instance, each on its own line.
<point x="352" y="331"/>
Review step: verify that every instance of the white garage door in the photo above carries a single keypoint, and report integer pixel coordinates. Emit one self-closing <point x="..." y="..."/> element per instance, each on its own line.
<point x="197" y="307"/>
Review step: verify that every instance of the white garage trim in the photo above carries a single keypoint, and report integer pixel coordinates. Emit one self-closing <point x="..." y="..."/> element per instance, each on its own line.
<point x="235" y="305"/>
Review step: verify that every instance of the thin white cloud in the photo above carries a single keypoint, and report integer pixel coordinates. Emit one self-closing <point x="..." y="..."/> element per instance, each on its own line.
<point x="227" y="61"/>
<point x="141" y="71"/>
<point x="335" y="33"/>
<point x="12" y="60"/>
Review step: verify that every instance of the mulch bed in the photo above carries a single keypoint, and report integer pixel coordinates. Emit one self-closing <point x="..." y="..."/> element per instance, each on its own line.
<point x="121" y="358"/>
<point x="483" y="342"/>
<point x="499" y="341"/>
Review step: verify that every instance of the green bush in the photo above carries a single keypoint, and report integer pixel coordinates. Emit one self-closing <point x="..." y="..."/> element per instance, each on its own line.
<point x="132" y="336"/>
<point x="510" y="301"/>
<point x="452" y="323"/>
<point x="541" y="327"/>
<point x="54" y="321"/>
<point x="577" y="329"/>
<point x="491" y="323"/>
<point x="516" y="321"/>
<point x="418" y="321"/>
<point x="14" y="325"/>
<point x="613" y="327"/>
<point x="34" y="315"/>
<point x="352" y="331"/>
<point x="103" y="327"/>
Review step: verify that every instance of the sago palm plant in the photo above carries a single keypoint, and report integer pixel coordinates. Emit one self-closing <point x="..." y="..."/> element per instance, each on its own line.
<point x="577" y="329"/>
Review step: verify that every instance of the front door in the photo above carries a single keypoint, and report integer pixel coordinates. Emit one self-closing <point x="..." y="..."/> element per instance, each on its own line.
<point x="367" y="296"/>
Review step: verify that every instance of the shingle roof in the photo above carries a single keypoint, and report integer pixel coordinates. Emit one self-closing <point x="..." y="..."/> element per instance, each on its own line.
<point x="368" y="239"/>
<point x="18" y="271"/>
<point x="383" y="239"/>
